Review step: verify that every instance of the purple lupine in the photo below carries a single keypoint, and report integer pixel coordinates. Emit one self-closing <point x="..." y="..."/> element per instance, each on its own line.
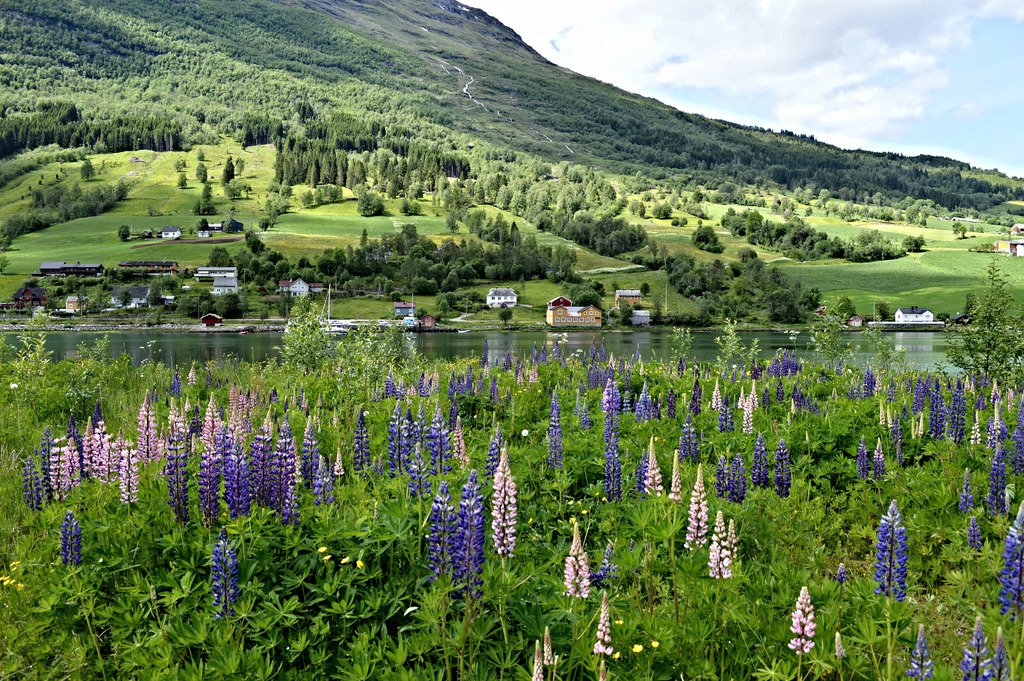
<point x="641" y="476"/>
<point x="323" y="483"/>
<point x="688" y="449"/>
<point x="891" y="555"/>
<point x="937" y="416"/>
<point x="74" y="438"/>
<point x="803" y="625"/>
<point x="897" y="440"/>
<point x="31" y="485"/>
<point x="695" y="397"/>
<point x="395" y="445"/>
<point x="70" y="540"/>
<point x="863" y="461"/>
<point x="783" y="475"/>
<point x="921" y="665"/>
<point x="737" y="479"/>
<point x="722" y="477"/>
<point x="176" y="472"/>
<point x="310" y="454"/>
<point x="503" y="508"/>
<point x="725" y="421"/>
<point x="1017" y="443"/>
<point x="841" y="573"/>
<point x="210" y="467"/>
<point x="974" y="534"/>
<point x="224" y="577"/>
<point x="976" y="665"/>
<point x="361" y="445"/>
<point x="442" y="534"/>
<point x="286" y="502"/>
<point x="759" y="466"/>
<point x="878" y="470"/>
<point x="439" y="444"/>
<point x="468" y="554"/>
<point x="237" y="491"/>
<point x="670" y="404"/>
<point x="555" y="433"/>
<point x="262" y="466"/>
<point x="999" y="665"/>
<point x="419" y="476"/>
<point x="494" y="451"/>
<point x="607" y="570"/>
<point x="966" y="503"/>
<point x="957" y="413"/>
<point x="996" y="499"/>
<point x="1011" y="577"/>
<point x="46" y="458"/>
<point x="612" y="462"/>
<point x="176" y="384"/>
<point x="644" y="408"/>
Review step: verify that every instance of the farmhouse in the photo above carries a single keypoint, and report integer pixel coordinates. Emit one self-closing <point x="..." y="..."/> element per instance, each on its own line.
<point x="207" y="272"/>
<point x="297" y="288"/>
<point x="1017" y="229"/>
<point x="170" y="232"/>
<point x="630" y="296"/>
<point x="130" y="297"/>
<point x="224" y="285"/>
<point x="403" y="309"/>
<point x="561" y="312"/>
<point x="29" y="297"/>
<point x="229" y="226"/>
<point x="73" y="304"/>
<point x="914" y="315"/>
<point x="856" y="321"/>
<point x="66" y="269"/>
<point x="210" y="320"/>
<point x="427" y="322"/>
<point x="151" y="267"/>
<point x="1013" y="247"/>
<point x="502" y="297"/>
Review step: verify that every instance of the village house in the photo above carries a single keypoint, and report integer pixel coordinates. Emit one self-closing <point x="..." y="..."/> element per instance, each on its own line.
<point x="561" y="312"/>
<point x="29" y="297"/>
<point x="630" y="296"/>
<point x="640" y="318"/>
<point x="224" y="285"/>
<point x="1013" y="247"/>
<point x="914" y="315"/>
<point x="66" y="269"/>
<point x="1017" y="229"/>
<point x="210" y="320"/>
<point x="297" y="288"/>
<point x="73" y="304"/>
<point x="856" y="321"/>
<point x="130" y="297"/>
<point x="427" y="322"/>
<point x="208" y="272"/>
<point x="170" y="232"/>
<point x="403" y="309"/>
<point x="229" y="226"/>
<point x="501" y="297"/>
<point x="151" y="267"/>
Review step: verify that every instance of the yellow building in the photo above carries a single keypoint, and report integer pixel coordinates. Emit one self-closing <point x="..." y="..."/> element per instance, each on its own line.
<point x="561" y="312"/>
<point x="628" y="295"/>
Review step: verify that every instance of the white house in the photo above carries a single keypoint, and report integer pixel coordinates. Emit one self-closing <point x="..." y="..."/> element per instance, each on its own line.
<point x="502" y="297"/>
<point x="170" y="233"/>
<point x="914" y="315"/>
<point x="130" y="297"/>
<point x="296" y="288"/>
<point x="225" y="285"/>
<point x="640" y="318"/>
<point x="206" y="272"/>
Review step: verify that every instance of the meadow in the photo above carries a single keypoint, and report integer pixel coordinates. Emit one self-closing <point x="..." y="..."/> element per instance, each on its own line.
<point x="541" y="516"/>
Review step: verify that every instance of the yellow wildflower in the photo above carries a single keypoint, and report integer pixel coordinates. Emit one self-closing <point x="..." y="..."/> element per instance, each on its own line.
<point x="617" y="655"/>
<point x="345" y="560"/>
<point x="322" y="549"/>
<point x="637" y="648"/>
<point x="327" y="557"/>
<point x="359" y="564"/>
<point x="655" y="644"/>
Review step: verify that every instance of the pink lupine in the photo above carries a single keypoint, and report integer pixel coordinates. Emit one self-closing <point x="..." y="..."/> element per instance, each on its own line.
<point x="503" y="508"/>
<point x="753" y="400"/>
<point x="533" y="373"/>
<point x="191" y="380"/>
<point x="675" y="493"/>
<point x="459" y="452"/>
<point x="127" y="469"/>
<point x="103" y="464"/>
<point x="339" y="466"/>
<point x="148" y="442"/>
<point x="716" y="397"/>
<point x="732" y="541"/>
<point x="748" y="415"/>
<point x="577" y="568"/>
<point x="720" y="558"/>
<point x="538" y="663"/>
<point x="652" y="476"/>
<point x="64" y="473"/>
<point x="697" y="530"/>
<point x="603" y="646"/>
<point x="211" y="426"/>
<point x="803" y="624"/>
<point x="549" y="651"/>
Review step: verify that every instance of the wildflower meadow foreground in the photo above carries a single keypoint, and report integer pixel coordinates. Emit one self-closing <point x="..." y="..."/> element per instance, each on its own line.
<point x="546" y="516"/>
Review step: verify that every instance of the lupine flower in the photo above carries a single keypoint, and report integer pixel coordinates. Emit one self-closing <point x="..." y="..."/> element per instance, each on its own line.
<point x="737" y="479"/>
<point x="176" y="472"/>
<point x="803" y="624"/>
<point x="974" y="534"/>
<point x="225" y="576"/>
<point x="722" y="477"/>
<point x="1011" y="578"/>
<point x="688" y="449"/>
<point x="976" y="429"/>
<point x="555" y="433"/>
<point x="996" y="500"/>
<point x="759" y="464"/>
<point x="31" y="485"/>
<point x="503" y="508"/>
<point x="310" y="454"/>
<point x="127" y="469"/>
<point x="783" y="479"/>
<point x="841" y="573"/>
<point x="697" y="528"/>
<point x="442" y="533"/>
<point x="863" y="462"/>
<point x="395" y="446"/>
<point x="603" y="646"/>
<point x="891" y="556"/>
<point x="748" y="414"/>
<point x="999" y="665"/>
<point x="577" y="567"/>
<point x="70" y="540"/>
<point x="323" y="482"/>
<point x="148" y="442"/>
<point x="285" y="470"/>
<point x="675" y="493"/>
<point x="644" y="408"/>
<point x="459" y="452"/>
<point x="921" y="664"/>
<point x="879" y="461"/>
<point x="976" y="665"/>
<point x="439" y="444"/>
<point x="612" y="462"/>
<point x="725" y="422"/>
<point x="494" y="451"/>
<point x="468" y="553"/>
<point x="695" y="398"/>
<point x="720" y="558"/>
<point x="652" y="482"/>
<point x="716" y="397"/>
<point x="210" y="467"/>
<point x="966" y="504"/>
<point x="419" y="476"/>
<point x="607" y="570"/>
<point x="840" y="651"/>
<point x="538" y="663"/>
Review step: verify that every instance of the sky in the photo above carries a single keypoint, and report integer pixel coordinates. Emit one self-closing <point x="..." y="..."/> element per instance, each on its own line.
<point x="915" y="76"/>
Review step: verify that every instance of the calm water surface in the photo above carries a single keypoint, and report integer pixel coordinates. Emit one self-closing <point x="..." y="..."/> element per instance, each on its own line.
<point x="925" y="350"/>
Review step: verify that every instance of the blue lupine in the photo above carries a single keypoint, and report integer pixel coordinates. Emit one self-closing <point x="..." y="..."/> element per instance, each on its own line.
<point x="695" y="396"/>
<point x="725" y="421"/>
<point x="262" y="466"/>
<point x="1011" y="577"/>
<point x="670" y="404"/>
<point x="612" y="461"/>
<point x="783" y="479"/>
<point x="178" y="447"/>
<point x="395" y="447"/>
<point x="211" y="465"/>
<point x="841" y="573"/>
<point x="225" y="576"/>
<point x="737" y="479"/>
<point x="863" y="460"/>
<point x="1017" y="443"/>
<point x="606" y="572"/>
<point x="419" y="480"/>
<point x="688" y="450"/>
<point x="442" y="533"/>
<point x="286" y="502"/>
<point x="641" y="476"/>
<point x="468" y="553"/>
<point x="494" y="451"/>
<point x="555" y="433"/>
<point x="966" y="503"/>
<point x="921" y="665"/>
<point x="759" y="465"/>
<point x="31" y="485"/>
<point x="236" y="475"/>
<point x="897" y="440"/>
<point x="722" y="477"/>
<point x="996" y="499"/>
<point x="644" y="408"/>
<point x="70" y="540"/>
<point x="937" y="416"/>
<point x="999" y="665"/>
<point x="361" y="445"/>
<point x="957" y="413"/>
<point x="439" y="444"/>
<point x="310" y="454"/>
<point x="974" y="533"/>
<point x="323" y="483"/>
<point x="176" y="384"/>
<point x="976" y="664"/>
<point x="891" y="555"/>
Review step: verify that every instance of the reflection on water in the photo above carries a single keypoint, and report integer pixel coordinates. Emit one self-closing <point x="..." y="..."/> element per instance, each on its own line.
<point x="924" y="349"/>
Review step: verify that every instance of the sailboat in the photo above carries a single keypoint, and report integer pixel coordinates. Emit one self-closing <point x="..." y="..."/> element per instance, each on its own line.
<point x="335" y="327"/>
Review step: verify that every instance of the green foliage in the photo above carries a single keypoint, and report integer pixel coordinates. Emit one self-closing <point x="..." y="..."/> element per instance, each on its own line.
<point x="993" y="343"/>
<point x="370" y="203"/>
<point x="706" y="239"/>
<point x="306" y="343"/>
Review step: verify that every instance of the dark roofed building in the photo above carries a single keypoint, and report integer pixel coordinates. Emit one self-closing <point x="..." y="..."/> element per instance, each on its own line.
<point x="66" y="269"/>
<point x="155" y="267"/>
<point x="29" y="297"/>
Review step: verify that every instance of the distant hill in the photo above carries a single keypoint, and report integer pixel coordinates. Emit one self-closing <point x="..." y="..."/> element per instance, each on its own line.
<point x="165" y="74"/>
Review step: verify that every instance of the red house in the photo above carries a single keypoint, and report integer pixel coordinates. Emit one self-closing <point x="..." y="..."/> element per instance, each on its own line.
<point x="30" y="297"/>
<point x="210" y="319"/>
<point x="560" y="301"/>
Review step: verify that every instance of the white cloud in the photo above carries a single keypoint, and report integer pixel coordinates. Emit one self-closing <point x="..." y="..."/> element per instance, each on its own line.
<point x="853" y="73"/>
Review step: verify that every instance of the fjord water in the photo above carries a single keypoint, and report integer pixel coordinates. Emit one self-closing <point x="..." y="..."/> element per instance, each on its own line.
<point x="924" y="349"/>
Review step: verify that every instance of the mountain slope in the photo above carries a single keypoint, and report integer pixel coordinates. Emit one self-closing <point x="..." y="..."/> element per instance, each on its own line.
<point x="439" y="68"/>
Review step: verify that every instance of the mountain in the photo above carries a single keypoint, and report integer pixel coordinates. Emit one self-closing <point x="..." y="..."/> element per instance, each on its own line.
<point x="165" y="74"/>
